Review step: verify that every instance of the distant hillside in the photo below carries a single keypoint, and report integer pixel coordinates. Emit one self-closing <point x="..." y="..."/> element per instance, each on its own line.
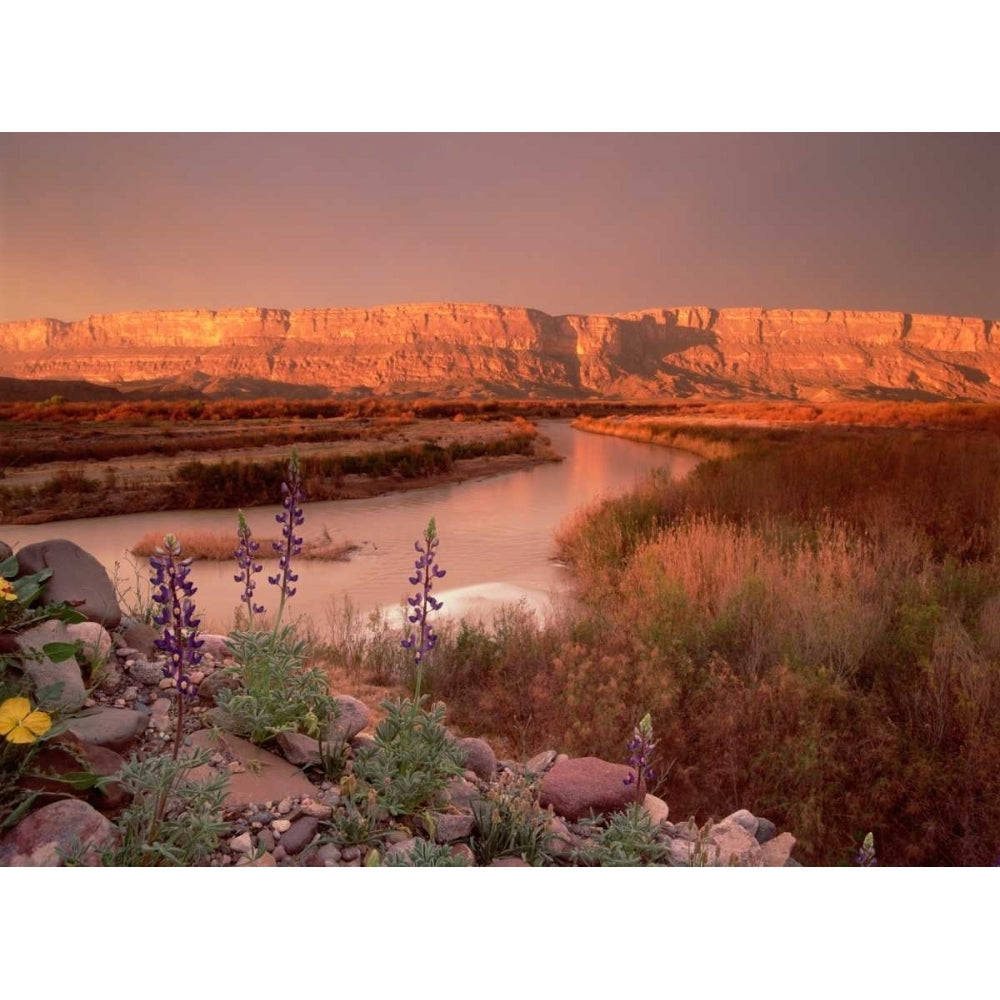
<point x="445" y="349"/>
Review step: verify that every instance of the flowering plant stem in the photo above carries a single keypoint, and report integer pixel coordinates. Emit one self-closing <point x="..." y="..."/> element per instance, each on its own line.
<point x="291" y="517"/>
<point x="423" y="602"/>
<point x="173" y="592"/>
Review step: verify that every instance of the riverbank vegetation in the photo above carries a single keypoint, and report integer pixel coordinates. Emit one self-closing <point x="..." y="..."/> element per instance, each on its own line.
<point x="814" y="624"/>
<point x="149" y="467"/>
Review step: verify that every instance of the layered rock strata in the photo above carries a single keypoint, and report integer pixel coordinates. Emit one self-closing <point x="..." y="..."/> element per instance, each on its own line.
<point x="450" y="349"/>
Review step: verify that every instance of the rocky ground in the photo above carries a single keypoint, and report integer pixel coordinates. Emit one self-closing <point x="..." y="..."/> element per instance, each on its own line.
<point x="281" y="808"/>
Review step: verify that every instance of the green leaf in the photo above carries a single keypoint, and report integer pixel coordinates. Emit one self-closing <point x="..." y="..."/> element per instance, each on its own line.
<point x="29" y="587"/>
<point x="8" y="568"/>
<point x="58" y="652"/>
<point x="82" y="781"/>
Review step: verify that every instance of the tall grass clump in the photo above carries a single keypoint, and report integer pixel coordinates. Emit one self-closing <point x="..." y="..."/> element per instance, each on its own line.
<point x="819" y="620"/>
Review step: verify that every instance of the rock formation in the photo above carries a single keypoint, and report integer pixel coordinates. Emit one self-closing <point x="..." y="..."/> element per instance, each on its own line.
<point x="447" y="349"/>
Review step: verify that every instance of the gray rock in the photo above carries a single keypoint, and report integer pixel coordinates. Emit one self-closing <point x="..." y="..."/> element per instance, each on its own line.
<point x="45" y="672"/>
<point x="5" y="551"/>
<point x="449" y="827"/>
<point x="115" y="728"/>
<point x="460" y="792"/>
<point x="60" y="827"/>
<point x="299" y="749"/>
<point x="574" y="788"/>
<point x="140" y="637"/>
<point x="299" y="835"/>
<point x="214" y="645"/>
<point x="217" y="681"/>
<point x="746" y="819"/>
<point x="95" y="642"/>
<point x="76" y="577"/>
<point x="147" y="672"/>
<point x="479" y="757"/>
<point x="354" y="716"/>
<point x="766" y="830"/>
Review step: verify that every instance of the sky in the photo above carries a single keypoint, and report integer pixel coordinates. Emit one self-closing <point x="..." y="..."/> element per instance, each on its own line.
<point x="565" y="223"/>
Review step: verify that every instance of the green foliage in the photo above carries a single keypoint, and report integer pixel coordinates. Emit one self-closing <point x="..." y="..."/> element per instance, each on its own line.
<point x="412" y="760"/>
<point x="628" y="840"/>
<point x="277" y="692"/>
<point x="189" y="828"/>
<point x="509" y="822"/>
<point x="424" y="854"/>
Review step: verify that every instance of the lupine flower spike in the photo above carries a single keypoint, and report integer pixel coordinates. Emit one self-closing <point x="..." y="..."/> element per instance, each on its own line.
<point x="246" y="558"/>
<point x="424" y="638"/>
<point x="865" y="858"/>
<point x="640" y="749"/>
<point x="173" y="592"/>
<point x="291" y="518"/>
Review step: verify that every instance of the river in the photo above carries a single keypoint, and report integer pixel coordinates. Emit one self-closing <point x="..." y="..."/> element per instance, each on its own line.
<point x="497" y="536"/>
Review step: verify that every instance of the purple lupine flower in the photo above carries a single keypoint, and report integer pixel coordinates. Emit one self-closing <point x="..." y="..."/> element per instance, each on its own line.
<point x="245" y="556"/>
<point x="640" y="749"/>
<point x="290" y="518"/>
<point x="424" y="639"/>
<point x="173" y="592"/>
<point x="865" y="857"/>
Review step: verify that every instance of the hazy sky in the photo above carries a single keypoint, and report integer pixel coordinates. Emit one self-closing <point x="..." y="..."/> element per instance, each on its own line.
<point x="562" y="223"/>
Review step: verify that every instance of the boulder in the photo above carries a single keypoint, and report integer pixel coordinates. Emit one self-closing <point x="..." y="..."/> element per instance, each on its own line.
<point x="354" y="716"/>
<point x="48" y="673"/>
<point x="265" y="777"/>
<point x="582" y="785"/>
<point x="730" y="843"/>
<point x="41" y="837"/>
<point x="115" y="728"/>
<point x="77" y="577"/>
<point x="777" y="851"/>
<point x="479" y="757"/>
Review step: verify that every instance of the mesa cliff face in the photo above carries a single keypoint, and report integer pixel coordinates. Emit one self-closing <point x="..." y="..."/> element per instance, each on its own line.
<point x="468" y="349"/>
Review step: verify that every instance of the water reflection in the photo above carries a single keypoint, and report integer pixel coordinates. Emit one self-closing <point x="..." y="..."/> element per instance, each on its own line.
<point x="497" y="533"/>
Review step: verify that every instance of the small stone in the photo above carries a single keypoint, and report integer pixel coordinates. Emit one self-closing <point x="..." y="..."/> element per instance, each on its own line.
<point x="284" y="806"/>
<point x="316" y="809"/>
<point x="280" y="825"/>
<point x="352" y="853"/>
<point x="266" y="840"/>
<point x="126" y="653"/>
<point x="264" y="861"/>
<point x="329" y="853"/>
<point x="541" y="762"/>
<point x="236" y="767"/>
<point x="130" y="693"/>
<point x="299" y="835"/>
<point x="243" y="844"/>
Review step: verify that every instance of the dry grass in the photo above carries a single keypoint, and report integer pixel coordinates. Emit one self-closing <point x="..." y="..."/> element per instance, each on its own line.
<point x="214" y="545"/>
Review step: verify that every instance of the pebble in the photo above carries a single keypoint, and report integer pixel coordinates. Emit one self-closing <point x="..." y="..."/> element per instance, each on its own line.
<point x="280" y="825"/>
<point x="241" y="844"/>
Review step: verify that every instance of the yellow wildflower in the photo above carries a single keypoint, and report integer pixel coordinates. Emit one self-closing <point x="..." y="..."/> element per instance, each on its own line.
<point x="6" y="591"/>
<point x="20" y="724"/>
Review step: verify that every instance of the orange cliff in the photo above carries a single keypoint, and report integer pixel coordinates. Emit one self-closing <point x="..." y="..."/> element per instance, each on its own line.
<point x="464" y="348"/>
